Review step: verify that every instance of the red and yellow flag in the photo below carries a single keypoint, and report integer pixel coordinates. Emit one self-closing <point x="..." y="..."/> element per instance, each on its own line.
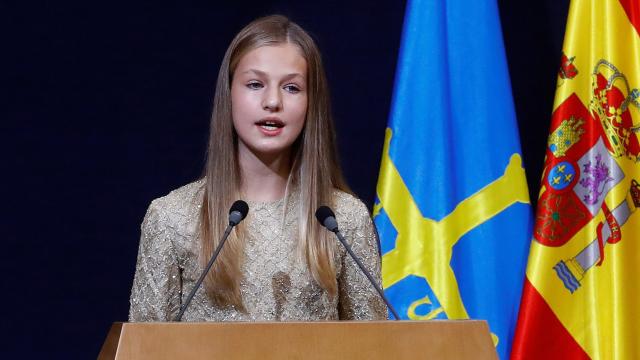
<point x="581" y="297"/>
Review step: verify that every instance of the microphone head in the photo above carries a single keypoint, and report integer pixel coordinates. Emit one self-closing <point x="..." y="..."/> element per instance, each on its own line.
<point x="238" y="212"/>
<point x="327" y="218"/>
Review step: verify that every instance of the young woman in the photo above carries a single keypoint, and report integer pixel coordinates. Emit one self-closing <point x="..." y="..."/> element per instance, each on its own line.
<point x="272" y="143"/>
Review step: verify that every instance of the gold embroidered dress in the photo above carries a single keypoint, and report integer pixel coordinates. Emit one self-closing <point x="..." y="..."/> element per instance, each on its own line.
<point x="276" y="284"/>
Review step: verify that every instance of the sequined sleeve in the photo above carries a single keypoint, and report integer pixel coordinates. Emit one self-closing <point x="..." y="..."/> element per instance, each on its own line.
<point x="155" y="295"/>
<point x="358" y="299"/>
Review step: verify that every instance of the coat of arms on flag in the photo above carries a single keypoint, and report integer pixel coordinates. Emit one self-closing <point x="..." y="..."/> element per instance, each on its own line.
<point x="578" y="299"/>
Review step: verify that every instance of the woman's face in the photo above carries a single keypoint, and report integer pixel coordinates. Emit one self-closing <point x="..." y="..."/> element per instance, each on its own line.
<point x="269" y="98"/>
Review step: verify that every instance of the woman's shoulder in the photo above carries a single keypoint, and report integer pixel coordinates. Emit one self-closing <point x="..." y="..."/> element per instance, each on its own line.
<point x="349" y="207"/>
<point x="181" y="201"/>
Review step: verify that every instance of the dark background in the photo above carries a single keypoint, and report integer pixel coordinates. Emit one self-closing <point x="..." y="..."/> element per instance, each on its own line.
<point x="105" y="107"/>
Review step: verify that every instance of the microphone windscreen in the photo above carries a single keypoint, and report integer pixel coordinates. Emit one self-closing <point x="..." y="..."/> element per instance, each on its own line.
<point x="327" y="218"/>
<point x="323" y="213"/>
<point x="238" y="211"/>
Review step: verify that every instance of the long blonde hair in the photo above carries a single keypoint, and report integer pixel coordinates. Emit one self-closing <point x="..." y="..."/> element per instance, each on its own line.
<point x="314" y="166"/>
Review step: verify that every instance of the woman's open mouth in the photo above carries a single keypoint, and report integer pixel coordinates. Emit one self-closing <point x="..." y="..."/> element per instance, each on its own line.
<point x="270" y="127"/>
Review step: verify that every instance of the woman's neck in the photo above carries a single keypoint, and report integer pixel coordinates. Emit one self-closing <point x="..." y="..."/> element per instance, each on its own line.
<point x="264" y="177"/>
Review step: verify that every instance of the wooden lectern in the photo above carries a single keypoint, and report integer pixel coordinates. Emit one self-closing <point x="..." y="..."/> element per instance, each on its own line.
<point x="388" y="340"/>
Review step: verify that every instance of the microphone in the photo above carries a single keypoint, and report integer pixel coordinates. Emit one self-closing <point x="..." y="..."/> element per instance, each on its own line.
<point x="237" y="213"/>
<point x="327" y="218"/>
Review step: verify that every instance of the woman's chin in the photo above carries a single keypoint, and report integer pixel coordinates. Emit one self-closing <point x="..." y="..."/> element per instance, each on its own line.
<point x="269" y="149"/>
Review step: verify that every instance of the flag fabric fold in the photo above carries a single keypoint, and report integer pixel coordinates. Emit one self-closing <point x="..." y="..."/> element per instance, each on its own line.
<point x="580" y="298"/>
<point x="452" y="205"/>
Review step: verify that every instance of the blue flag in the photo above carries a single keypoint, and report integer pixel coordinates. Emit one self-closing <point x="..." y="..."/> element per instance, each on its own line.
<point x="452" y="205"/>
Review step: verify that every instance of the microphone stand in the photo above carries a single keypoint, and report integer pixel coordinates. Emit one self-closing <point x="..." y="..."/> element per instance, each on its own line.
<point x="204" y="273"/>
<point x="371" y="279"/>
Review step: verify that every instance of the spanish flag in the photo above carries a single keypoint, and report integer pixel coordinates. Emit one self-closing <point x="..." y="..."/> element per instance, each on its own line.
<point x="581" y="297"/>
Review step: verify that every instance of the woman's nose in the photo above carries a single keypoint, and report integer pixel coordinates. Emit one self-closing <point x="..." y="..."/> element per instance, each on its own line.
<point x="272" y="100"/>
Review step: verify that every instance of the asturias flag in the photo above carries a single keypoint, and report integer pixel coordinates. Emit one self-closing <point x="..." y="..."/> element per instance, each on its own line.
<point x="453" y="208"/>
<point x="581" y="296"/>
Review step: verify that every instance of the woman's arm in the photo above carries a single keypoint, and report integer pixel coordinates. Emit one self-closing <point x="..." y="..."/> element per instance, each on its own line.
<point x="358" y="299"/>
<point x="155" y="295"/>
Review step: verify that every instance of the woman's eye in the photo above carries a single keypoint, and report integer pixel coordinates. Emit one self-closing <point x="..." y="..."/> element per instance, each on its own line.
<point x="292" y="88"/>
<point x="254" y="85"/>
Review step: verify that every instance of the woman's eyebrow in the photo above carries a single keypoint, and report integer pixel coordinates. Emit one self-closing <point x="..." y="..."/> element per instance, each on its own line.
<point x="264" y="74"/>
<point x="255" y="71"/>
